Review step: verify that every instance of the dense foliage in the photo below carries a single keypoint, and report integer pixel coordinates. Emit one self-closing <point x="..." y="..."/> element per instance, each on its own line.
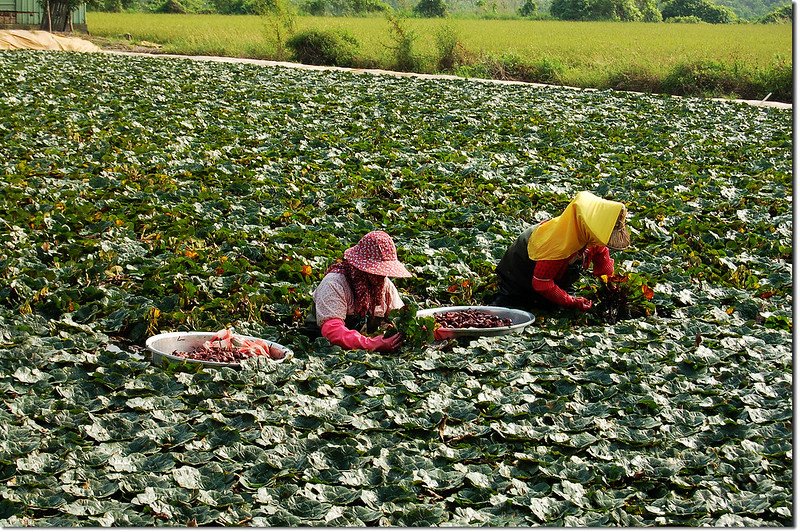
<point x="431" y="8"/>
<point x="140" y="195"/>
<point x="618" y="10"/>
<point x="780" y="15"/>
<point x="647" y="10"/>
<point x="324" y="47"/>
<point x="705" y="10"/>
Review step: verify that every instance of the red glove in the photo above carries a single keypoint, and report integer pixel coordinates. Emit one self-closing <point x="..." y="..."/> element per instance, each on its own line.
<point x="337" y="333"/>
<point x="551" y="291"/>
<point x="580" y="303"/>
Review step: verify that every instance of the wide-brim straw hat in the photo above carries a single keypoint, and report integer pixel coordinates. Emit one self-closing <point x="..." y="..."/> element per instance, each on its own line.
<point x="375" y="253"/>
<point x="620" y="238"/>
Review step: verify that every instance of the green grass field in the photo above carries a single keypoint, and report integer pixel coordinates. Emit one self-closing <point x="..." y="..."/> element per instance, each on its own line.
<point x="586" y="54"/>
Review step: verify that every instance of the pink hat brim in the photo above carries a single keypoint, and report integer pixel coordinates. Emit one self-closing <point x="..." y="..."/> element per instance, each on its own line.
<point x="386" y="268"/>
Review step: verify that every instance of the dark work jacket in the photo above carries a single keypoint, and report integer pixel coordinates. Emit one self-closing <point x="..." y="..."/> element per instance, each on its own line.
<point x="515" y="269"/>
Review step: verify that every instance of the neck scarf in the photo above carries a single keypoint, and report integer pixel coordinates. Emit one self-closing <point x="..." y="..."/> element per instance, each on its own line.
<point x="367" y="288"/>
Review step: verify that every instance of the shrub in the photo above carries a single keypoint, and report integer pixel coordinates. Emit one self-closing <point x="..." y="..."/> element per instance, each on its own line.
<point x="706" y="78"/>
<point x="450" y="52"/>
<point x="685" y="20"/>
<point x="324" y="47"/>
<point x="777" y="82"/>
<point x="634" y="78"/>
<point x="705" y="10"/>
<point x="569" y="9"/>
<point x="279" y="18"/>
<point x="237" y="7"/>
<point x="431" y="8"/>
<point x="344" y="7"/>
<point x="172" y="6"/>
<point x="528" y="9"/>
<point x="405" y="60"/>
<point x="513" y="67"/>
<point x="628" y="10"/>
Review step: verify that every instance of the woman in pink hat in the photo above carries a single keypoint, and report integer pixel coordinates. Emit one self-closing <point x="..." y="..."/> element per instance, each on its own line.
<point x="358" y="288"/>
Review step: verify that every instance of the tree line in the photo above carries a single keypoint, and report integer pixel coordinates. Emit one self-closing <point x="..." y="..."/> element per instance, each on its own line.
<point x="688" y="11"/>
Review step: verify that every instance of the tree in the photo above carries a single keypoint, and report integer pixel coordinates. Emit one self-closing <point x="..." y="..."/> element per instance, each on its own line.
<point x="626" y="10"/>
<point x="705" y="10"/>
<point x="783" y="14"/>
<point x="613" y="10"/>
<point x="649" y="10"/>
<point x="431" y="8"/>
<point x="569" y="9"/>
<point x="528" y="9"/>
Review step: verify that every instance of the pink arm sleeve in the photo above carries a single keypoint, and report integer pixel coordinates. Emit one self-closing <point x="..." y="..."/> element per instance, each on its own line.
<point x="337" y="333"/>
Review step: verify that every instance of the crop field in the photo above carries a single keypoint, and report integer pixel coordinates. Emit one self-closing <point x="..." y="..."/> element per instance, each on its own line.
<point x="141" y="195"/>
<point x="587" y="50"/>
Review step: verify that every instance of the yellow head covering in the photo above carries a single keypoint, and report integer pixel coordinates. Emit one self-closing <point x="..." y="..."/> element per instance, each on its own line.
<point x="587" y="220"/>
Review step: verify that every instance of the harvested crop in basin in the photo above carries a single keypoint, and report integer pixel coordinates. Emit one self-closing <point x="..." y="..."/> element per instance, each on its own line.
<point x="466" y="319"/>
<point x="227" y="347"/>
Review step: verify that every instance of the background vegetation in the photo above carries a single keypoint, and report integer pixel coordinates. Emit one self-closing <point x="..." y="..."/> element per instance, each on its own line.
<point x="749" y="10"/>
<point x="743" y="60"/>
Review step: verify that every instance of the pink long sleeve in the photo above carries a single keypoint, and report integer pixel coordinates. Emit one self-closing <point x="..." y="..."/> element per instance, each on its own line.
<point x="337" y="333"/>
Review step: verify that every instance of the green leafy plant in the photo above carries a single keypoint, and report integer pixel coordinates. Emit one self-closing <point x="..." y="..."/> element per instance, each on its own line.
<point x="619" y="297"/>
<point x="324" y="47"/>
<point x="417" y="331"/>
<point x="402" y="47"/>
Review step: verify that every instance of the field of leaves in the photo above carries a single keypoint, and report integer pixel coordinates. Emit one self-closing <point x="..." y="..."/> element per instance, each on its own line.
<point x="142" y="195"/>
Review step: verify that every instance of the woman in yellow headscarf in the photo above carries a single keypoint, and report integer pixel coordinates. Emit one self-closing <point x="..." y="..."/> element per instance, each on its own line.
<point x="547" y="258"/>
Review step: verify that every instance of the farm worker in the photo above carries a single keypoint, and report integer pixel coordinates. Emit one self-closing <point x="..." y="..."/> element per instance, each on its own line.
<point x="358" y="288"/>
<point x="548" y="257"/>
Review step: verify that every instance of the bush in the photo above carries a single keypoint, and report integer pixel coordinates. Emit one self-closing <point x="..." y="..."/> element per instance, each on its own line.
<point x="707" y="78"/>
<point x="776" y="82"/>
<point x="685" y="20"/>
<point x="236" y="7"/>
<point x="528" y="9"/>
<point x="634" y="78"/>
<point x="340" y="8"/>
<point x="450" y="52"/>
<point x="324" y="47"/>
<point x="627" y="10"/>
<point x="431" y="8"/>
<point x="513" y="67"/>
<point x="649" y="10"/>
<point x="569" y="9"/>
<point x="405" y="60"/>
<point x="172" y="6"/>
<point x="706" y="10"/>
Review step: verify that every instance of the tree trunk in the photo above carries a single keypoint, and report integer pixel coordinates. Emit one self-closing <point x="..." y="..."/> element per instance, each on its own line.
<point x="58" y="16"/>
<point x="49" y="18"/>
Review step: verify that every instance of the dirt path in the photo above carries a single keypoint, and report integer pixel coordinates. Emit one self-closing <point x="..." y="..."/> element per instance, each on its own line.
<point x="262" y="62"/>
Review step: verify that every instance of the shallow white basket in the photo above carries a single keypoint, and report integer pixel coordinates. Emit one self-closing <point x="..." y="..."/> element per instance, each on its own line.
<point x="161" y="346"/>
<point x="519" y="320"/>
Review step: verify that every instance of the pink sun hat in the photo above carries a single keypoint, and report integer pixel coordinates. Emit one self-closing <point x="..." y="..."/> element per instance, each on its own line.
<point x="375" y="253"/>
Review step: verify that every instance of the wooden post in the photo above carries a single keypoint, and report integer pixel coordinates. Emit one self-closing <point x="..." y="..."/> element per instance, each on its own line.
<point x="49" y="20"/>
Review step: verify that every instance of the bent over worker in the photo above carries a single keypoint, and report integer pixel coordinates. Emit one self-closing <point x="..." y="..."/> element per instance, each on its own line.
<point x="356" y="292"/>
<point x="544" y="261"/>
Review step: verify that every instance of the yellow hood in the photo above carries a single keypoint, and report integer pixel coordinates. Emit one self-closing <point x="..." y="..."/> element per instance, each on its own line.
<point x="587" y="220"/>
